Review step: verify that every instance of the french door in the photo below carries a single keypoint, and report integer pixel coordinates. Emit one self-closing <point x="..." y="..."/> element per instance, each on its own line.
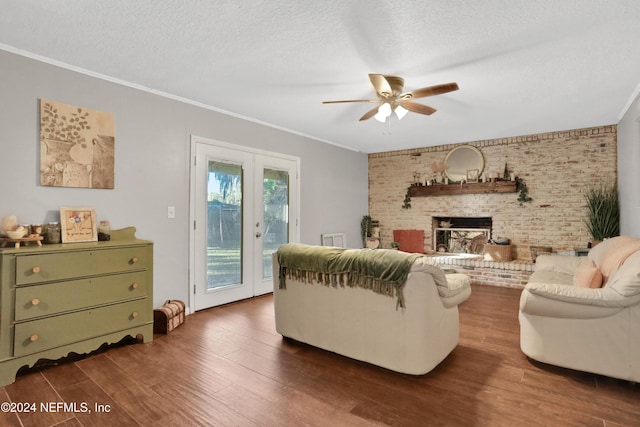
<point x="244" y="207"/>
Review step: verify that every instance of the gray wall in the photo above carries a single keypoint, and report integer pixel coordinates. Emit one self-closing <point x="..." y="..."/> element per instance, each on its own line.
<point x="152" y="167"/>
<point x="629" y="170"/>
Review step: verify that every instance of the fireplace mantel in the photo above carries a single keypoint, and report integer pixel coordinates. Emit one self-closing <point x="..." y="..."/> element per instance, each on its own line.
<point x="466" y="188"/>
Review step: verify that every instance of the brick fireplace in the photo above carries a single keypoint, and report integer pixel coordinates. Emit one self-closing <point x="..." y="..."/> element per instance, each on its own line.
<point x="555" y="166"/>
<point x="459" y="254"/>
<point x="460" y="234"/>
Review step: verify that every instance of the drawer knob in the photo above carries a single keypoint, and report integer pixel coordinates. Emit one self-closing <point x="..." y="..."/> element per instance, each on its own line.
<point x="134" y="259"/>
<point x="135" y="285"/>
<point x="35" y="301"/>
<point x="134" y="314"/>
<point x="34" y="338"/>
<point x="36" y="269"/>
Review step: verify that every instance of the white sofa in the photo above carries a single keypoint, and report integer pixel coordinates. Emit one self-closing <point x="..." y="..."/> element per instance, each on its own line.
<point x="567" y="320"/>
<point x="361" y="324"/>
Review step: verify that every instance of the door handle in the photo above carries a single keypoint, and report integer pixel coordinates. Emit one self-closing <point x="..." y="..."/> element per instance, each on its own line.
<point x="258" y="234"/>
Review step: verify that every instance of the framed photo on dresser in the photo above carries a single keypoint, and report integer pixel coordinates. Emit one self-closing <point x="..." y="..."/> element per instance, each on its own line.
<point x="78" y="224"/>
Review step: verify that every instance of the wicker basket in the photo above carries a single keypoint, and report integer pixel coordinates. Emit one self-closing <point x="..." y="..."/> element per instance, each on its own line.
<point x="497" y="253"/>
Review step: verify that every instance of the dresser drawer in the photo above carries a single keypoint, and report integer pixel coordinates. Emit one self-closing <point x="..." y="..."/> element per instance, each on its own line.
<point x="43" y="334"/>
<point x="37" y="268"/>
<point x="53" y="298"/>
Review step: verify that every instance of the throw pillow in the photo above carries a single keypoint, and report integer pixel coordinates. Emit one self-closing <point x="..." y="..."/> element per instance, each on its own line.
<point x="611" y="253"/>
<point x="587" y="275"/>
<point x="626" y="281"/>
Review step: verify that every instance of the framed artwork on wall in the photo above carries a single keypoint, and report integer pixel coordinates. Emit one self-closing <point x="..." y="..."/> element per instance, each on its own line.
<point x="78" y="225"/>
<point x="76" y="146"/>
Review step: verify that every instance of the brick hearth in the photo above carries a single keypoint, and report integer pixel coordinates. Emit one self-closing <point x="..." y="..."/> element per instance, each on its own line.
<point x="512" y="274"/>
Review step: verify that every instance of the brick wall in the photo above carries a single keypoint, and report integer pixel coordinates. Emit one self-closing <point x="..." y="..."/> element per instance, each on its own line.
<point x="555" y="166"/>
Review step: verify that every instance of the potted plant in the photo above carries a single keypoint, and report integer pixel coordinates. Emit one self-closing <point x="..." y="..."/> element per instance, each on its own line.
<point x="603" y="211"/>
<point x="365" y="229"/>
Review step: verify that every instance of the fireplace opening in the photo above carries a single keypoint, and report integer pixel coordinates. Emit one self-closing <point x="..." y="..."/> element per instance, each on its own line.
<point x="461" y="234"/>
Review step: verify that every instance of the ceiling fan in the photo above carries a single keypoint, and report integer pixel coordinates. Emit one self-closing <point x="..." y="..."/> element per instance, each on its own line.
<point x="391" y="98"/>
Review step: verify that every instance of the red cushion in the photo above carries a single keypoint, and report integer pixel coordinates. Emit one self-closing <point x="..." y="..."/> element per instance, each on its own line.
<point x="410" y="240"/>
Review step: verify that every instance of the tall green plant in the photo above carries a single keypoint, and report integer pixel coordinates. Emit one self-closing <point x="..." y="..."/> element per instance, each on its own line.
<point x="603" y="211"/>
<point x="365" y="229"/>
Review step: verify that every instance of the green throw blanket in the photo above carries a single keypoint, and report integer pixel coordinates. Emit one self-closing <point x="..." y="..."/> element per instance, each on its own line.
<point x="383" y="271"/>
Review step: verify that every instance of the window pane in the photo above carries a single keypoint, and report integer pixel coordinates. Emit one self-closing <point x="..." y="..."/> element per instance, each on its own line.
<point x="224" y="225"/>
<point x="276" y="215"/>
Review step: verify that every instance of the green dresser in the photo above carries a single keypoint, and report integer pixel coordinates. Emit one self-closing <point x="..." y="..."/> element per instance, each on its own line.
<point x="73" y="297"/>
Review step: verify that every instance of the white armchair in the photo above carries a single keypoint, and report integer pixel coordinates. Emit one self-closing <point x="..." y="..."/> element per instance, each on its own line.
<point x="565" y="323"/>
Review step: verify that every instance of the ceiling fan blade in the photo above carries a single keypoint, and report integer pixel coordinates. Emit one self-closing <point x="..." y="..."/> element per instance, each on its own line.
<point x="351" y="100"/>
<point x="369" y="114"/>
<point x="430" y="91"/>
<point x="381" y="85"/>
<point x="417" y="108"/>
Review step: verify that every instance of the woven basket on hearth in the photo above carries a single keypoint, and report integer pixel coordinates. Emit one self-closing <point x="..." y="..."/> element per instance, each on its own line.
<point x="497" y="252"/>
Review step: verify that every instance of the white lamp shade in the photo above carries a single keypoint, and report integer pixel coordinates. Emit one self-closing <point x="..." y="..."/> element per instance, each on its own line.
<point x="384" y="111"/>
<point x="400" y="112"/>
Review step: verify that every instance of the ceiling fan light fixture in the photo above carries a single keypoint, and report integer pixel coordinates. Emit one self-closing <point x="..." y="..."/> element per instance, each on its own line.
<point x="384" y="111"/>
<point x="400" y="112"/>
<point x="391" y="98"/>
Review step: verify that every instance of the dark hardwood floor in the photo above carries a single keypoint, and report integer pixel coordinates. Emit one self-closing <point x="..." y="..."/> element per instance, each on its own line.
<point x="228" y="367"/>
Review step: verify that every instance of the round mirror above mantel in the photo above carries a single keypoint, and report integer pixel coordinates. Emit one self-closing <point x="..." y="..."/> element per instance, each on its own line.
<point x="463" y="161"/>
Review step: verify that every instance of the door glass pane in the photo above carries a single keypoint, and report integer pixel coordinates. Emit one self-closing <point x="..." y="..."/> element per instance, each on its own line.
<point x="276" y="215"/>
<point x="224" y="224"/>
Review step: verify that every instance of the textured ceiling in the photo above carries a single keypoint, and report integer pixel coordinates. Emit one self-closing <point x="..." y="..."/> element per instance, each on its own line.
<point x="523" y="66"/>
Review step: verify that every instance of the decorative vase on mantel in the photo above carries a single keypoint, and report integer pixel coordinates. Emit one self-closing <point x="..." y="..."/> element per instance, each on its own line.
<point x="375" y="229"/>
